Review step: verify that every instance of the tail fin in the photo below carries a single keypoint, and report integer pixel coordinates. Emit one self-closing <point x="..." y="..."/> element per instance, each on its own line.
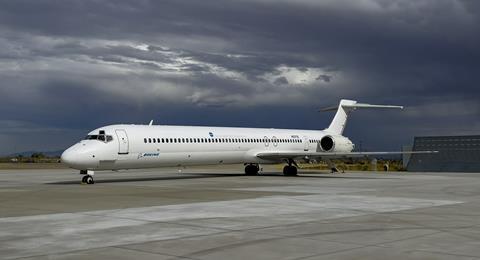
<point x="344" y="108"/>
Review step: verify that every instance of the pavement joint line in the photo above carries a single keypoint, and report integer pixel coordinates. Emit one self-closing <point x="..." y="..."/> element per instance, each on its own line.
<point x="58" y="253"/>
<point x="330" y="253"/>
<point x="157" y="222"/>
<point x="396" y="214"/>
<point x="150" y="252"/>
<point x="445" y="253"/>
<point x="234" y="245"/>
<point x="386" y="244"/>
<point x="444" y="230"/>
<point x="82" y="250"/>
<point x="459" y="235"/>
<point x="306" y="237"/>
<point x="309" y="235"/>
<point x="186" y="237"/>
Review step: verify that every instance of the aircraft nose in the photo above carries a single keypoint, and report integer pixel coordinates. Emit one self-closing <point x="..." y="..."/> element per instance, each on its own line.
<point x="67" y="157"/>
<point x="80" y="157"/>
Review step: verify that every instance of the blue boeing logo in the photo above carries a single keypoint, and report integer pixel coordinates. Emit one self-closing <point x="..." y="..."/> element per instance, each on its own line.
<point x="142" y="155"/>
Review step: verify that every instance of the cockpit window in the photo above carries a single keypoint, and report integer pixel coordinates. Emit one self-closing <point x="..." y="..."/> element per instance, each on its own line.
<point x="103" y="138"/>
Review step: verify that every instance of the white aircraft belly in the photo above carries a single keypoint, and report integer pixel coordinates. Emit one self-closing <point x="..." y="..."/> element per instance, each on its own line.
<point x="157" y="159"/>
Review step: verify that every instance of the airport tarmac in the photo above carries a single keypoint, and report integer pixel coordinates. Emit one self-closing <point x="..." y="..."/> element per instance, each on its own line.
<point x="218" y="213"/>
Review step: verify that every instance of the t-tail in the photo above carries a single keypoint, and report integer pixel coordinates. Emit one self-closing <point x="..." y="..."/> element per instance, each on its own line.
<point x="343" y="110"/>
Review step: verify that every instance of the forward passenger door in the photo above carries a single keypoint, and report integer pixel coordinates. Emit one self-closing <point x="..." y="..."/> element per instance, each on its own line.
<point x="122" y="137"/>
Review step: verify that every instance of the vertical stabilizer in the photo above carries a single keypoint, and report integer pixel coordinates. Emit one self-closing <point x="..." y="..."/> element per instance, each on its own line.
<point x="340" y="120"/>
<point x="343" y="110"/>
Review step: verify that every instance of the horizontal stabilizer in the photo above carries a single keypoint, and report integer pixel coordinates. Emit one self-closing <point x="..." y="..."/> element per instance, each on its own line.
<point x="344" y="108"/>
<point x="359" y="105"/>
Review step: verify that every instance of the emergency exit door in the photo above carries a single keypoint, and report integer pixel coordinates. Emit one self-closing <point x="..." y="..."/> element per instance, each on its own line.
<point x="306" y="143"/>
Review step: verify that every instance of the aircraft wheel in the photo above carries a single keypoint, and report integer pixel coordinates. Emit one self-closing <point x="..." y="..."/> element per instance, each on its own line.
<point x="84" y="179"/>
<point x="290" y="170"/>
<point x="89" y="179"/>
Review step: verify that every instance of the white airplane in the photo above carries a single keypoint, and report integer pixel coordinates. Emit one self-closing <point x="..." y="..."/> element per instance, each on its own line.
<point x="117" y="147"/>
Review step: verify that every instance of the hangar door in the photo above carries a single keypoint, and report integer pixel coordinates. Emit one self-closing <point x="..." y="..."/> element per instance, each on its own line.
<point x="122" y="141"/>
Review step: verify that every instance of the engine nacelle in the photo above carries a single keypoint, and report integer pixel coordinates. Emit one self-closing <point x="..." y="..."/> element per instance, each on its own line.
<point x="332" y="143"/>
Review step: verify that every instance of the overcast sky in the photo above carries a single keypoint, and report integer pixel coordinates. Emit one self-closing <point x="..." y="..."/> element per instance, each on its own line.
<point x="67" y="67"/>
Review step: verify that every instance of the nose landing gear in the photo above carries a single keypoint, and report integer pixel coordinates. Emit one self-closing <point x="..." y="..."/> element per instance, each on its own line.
<point x="88" y="178"/>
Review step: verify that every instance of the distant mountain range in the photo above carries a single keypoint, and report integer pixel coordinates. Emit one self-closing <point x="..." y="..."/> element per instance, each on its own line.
<point x="29" y="153"/>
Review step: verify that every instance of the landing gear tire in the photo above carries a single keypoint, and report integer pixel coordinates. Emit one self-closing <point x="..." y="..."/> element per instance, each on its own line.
<point x="290" y="170"/>
<point x="87" y="179"/>
<point x="251" y="170"/>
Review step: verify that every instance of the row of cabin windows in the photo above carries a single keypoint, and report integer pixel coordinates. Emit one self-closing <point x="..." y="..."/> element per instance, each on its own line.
<point x="314" y="141"/>
<point x="218" y="140"/>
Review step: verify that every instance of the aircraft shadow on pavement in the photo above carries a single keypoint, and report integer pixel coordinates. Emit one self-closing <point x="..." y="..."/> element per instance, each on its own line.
<point x="326" y="176"/>
<point x="216" y="175"/>
<point x="156" y="178"/>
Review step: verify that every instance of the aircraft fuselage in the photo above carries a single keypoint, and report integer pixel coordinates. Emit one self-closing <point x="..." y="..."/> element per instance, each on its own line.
<point x="118" y="147"/>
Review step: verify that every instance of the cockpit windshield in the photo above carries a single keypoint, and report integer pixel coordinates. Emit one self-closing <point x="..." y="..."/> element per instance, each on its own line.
<point x="103" y="138"/>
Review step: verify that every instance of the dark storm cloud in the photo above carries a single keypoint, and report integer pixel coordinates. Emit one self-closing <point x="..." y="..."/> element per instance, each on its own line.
<point x="325" y="78"/>
<point x="73" y="65"/>
<point x="281" y="81"/>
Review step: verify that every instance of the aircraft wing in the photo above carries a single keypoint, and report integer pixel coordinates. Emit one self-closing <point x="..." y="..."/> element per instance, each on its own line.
<point x="327" y="155"/>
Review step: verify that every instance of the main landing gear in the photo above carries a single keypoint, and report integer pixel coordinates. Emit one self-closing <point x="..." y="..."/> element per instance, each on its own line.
<point x="88" y="178"/>
<point x="251" y="169"/>
<point x="290" y="170"/>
